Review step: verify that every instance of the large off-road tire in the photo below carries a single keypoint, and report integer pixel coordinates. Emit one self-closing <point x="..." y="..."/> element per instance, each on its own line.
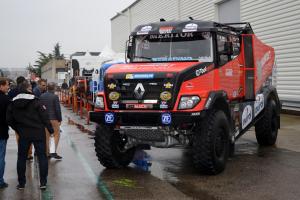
<point x="109" y="146"/>
<point x="211" y="143"/>
<point x="266" y="129"/>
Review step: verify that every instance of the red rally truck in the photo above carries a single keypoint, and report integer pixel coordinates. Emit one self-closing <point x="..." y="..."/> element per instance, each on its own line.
<point x="194" y="83"/>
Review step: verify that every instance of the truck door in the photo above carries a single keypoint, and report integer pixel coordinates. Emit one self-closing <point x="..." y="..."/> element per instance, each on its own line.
<point x="230" y="65"/>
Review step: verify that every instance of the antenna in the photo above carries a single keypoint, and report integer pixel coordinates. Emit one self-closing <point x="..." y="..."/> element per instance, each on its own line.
<point x="191" y="18"/>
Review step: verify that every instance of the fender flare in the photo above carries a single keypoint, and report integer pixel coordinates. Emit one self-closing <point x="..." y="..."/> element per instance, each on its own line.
<point x="271" y="91"/>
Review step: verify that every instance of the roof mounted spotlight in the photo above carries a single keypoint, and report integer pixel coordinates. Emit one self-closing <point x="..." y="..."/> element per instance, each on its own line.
<point x="162" y="20"/>
<point x="191" y="18"/>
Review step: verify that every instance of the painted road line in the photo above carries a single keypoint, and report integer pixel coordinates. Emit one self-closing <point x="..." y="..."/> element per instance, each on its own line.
<point x="92" y="175"/>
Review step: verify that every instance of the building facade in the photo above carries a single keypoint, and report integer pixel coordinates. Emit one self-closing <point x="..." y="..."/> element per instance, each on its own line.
<point x="54" y="71"/>
<point x="275" y="22"/>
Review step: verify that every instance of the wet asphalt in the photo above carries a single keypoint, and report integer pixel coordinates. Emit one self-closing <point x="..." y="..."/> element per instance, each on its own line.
<point x="253" y="173"/>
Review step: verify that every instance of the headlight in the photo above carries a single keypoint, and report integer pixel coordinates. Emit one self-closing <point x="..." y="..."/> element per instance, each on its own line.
<point x="99" y="103"/>
<point x="188" y="102"/>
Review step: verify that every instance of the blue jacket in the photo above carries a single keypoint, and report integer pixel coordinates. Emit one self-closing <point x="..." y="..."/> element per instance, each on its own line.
<point x="37" y="92"/>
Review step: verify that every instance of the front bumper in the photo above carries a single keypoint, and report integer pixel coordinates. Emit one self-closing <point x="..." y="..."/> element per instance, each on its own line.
<point x="144" y="118"/>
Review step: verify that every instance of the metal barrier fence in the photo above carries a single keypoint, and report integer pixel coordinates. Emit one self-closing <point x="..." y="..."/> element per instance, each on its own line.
<point x="79" y="104"/>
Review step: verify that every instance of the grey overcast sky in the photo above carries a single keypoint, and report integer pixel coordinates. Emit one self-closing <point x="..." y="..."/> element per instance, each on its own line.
<point x="28" y="26"/>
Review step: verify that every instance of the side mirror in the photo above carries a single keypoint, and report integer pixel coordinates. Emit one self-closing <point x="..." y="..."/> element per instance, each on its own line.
<point x="128" y="52"/>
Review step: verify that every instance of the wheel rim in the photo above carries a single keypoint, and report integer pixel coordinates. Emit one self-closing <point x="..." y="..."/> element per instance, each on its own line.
<point x="219" y="143"/>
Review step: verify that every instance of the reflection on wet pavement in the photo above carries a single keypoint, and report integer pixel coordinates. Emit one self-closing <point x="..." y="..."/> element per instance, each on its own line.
<point x="254" y="173"/>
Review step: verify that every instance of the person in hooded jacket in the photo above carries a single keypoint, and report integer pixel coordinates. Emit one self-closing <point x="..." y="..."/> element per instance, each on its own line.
<point x="4" y="102"/>
<point x="28" y="117"/>
<point x="12" y="94"/>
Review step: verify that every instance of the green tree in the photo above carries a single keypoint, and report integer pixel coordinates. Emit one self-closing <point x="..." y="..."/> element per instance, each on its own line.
<point x="42" y="60"/>
<point x="56" y="52"/>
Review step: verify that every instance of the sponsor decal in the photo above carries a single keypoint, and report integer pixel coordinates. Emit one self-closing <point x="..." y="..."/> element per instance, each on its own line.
<point x="201" y="71"/>
<point x="109" y="118"/>
<point x="172" y="35"/>
<point x="234" y="94"/>
<point x="111" y="86"/>
<point x="115" y="105"/>
<point x="196" y="114"/>
<point x="129" y="76"/>
<point x="114" y="96"/>
<point x="165" y="96"/>
<point x="139" y="106"/>
<point x="139" y="76"/>
<point x="165" y="29"/>
<point x="168" y="85"/>
<point x="228" y="72"/>
<point x="247" y="116"/>
<point x="206" y="35"/>
<point x="260" y="63"/>
<point x="165" y="59"/>
<point x="166" y="118"/>
<point x="259" y="104"/>
<point x="144" y="30"/>
<point x="163" y="106"/>
<point x="190" y="27"/>
<point x="146" y="44"/>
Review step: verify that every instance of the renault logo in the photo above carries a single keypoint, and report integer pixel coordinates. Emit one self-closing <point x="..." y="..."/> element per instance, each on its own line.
<point x="139" y="91"/>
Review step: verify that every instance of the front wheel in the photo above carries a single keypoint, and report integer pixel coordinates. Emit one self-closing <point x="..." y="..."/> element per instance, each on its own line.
<point x="211" y="143"/>
<point x="266" y="129"/>
<point x="109" y="146"/>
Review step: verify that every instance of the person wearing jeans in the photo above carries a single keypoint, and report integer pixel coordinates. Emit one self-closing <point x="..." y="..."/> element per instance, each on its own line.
<point x="4" y="101"/>
<point x="28" y="117"/>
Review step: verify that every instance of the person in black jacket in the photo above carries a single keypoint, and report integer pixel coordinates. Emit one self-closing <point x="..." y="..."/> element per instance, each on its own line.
<point x="29" y="118"/>
<point x="4" y="101"/>
<point x="12" y="94"/>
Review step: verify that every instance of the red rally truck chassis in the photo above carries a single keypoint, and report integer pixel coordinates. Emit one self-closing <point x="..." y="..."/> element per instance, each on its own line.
<point x="193" y="83"/>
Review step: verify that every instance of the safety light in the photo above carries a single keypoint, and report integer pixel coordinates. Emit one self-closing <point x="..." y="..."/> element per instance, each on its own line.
<point x="188" y="102"/>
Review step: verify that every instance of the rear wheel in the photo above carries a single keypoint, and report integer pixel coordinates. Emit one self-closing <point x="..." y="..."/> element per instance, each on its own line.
<point x="109" y="146"/>
<point x="211" y="143"/>
<point x="266" y="129"/>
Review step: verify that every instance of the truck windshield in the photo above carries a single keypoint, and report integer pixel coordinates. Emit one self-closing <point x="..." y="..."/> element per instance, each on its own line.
<point x="173" y="47"/>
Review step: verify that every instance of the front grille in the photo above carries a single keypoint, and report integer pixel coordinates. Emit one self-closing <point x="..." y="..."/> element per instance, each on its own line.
<point x="153" y="88"/>
<point x="140" y="94"/>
